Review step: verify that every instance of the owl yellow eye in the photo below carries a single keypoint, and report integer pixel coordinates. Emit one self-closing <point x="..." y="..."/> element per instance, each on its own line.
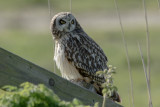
<point x="72" y="21"/>
<point x="62" y="22"/>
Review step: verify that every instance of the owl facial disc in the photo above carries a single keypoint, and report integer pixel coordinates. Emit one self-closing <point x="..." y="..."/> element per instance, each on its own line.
<point x="64" y="22"/>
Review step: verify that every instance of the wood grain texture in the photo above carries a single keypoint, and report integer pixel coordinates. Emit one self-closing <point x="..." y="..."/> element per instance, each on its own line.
<point x="15" y="70"/>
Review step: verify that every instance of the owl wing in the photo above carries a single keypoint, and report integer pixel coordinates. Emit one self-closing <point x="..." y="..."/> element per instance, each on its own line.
<point x="85" y="54"/>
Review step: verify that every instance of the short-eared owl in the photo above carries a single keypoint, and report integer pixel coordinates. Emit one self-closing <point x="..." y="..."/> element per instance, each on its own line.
<point x="77" y="55"/>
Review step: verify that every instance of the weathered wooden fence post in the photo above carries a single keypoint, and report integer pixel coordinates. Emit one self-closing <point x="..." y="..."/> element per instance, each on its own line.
<point x="15" y="70"/>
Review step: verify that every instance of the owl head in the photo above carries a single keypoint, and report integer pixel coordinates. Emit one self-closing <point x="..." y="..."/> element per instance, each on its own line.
<point x="63" y="22"/>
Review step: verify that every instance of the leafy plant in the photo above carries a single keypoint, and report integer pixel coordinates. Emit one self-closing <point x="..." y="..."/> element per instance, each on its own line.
<point x="29" y="95"/>
<point x="108" y="87"/>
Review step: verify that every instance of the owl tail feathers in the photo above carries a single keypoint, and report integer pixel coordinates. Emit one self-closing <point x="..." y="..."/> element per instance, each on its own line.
<point x="115" y="97"/>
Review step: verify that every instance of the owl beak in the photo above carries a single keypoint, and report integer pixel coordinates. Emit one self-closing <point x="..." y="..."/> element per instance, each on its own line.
<point x="69" y="26"/>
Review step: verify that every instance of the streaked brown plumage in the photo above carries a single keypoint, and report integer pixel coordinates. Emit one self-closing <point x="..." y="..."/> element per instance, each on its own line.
<point x="77" y="55"/>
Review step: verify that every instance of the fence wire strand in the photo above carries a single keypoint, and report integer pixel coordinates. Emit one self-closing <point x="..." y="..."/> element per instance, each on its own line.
<point x="147" y="41"/>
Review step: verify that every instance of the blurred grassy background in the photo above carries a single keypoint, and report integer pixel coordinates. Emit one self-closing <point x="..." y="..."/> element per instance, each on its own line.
<point x="24" y="30"/>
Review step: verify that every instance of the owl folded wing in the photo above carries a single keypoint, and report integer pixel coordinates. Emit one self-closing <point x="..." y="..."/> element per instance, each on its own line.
<point x="85" y="54"/>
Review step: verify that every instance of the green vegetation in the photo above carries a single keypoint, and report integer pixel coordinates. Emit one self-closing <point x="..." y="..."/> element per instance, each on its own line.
<point x="29" y="95"/>
<point x="108" y="87"/>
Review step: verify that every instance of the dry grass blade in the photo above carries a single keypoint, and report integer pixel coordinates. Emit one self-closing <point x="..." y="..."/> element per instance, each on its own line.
<point x="126" y="50"/>
<point x="70" y="6"/>
<point x="129" y="96"/>
<point x="145" y="72"/>
<point x="50" y="17"/>
<point x="49" y="9"/>
<point x="53" y="60"/>
<point x="104" y="100"/>
<point x="158" y="3"/>
<point x="147" y="42"/>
